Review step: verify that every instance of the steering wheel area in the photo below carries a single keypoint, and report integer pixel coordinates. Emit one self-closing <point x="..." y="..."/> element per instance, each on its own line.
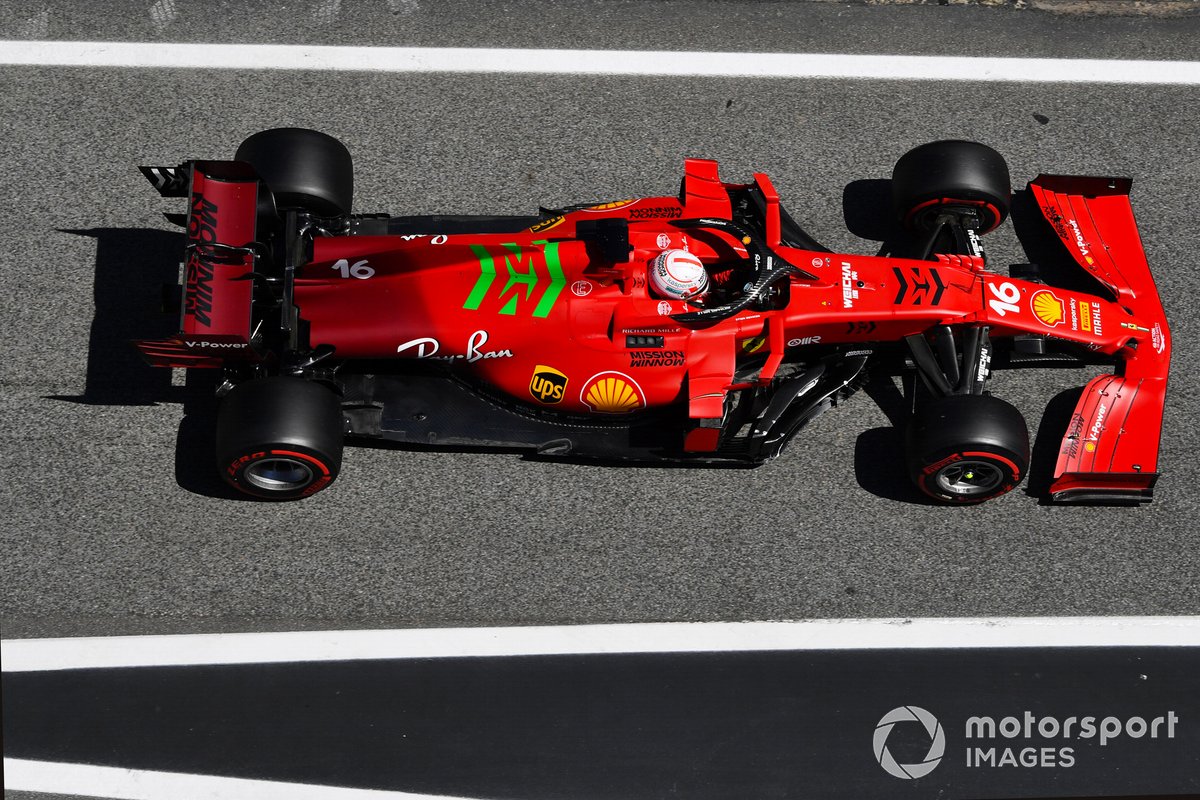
<point x="766" y="269"/>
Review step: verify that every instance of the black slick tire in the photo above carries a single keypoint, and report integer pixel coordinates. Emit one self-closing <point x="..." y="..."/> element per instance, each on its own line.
<point x="303" y="168"/>
<point x="279" y="438"/>
<point x="967" y="448"/>
<point x="951" y="173"/>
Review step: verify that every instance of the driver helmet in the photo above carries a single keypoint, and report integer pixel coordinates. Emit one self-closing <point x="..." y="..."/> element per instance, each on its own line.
<point x="678" y="275"/>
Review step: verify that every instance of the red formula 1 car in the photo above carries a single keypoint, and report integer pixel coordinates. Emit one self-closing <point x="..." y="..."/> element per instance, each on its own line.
<point x="700" y="327"/>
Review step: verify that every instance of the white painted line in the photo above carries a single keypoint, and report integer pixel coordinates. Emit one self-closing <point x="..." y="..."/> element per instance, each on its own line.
<point x="25" y="655"/>
<point x="594" y="62"/>
<point x="135" y="784"/>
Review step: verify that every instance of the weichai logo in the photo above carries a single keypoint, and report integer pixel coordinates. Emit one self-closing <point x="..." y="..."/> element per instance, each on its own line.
<point x="202" y="231"/>
<point x="547" y="385"/>
<point x="1046" y="306"/>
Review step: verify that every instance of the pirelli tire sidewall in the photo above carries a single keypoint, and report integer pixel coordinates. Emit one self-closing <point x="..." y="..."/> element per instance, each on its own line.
<point x="947" y="433"/>
<point x="303" y="169"/>
<point x="280" y="438"/>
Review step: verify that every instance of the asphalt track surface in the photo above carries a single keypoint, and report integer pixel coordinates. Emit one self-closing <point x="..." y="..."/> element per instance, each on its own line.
<point x="113" y="522"/>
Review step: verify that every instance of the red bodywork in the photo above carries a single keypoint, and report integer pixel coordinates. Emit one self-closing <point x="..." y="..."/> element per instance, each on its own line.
<point x="1112" y="440"/>
<point x="537" y="316"/>
<point x="215" y="325"/>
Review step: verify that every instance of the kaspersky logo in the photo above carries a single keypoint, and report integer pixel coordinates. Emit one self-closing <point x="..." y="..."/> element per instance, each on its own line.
<point x="937" y="742"/>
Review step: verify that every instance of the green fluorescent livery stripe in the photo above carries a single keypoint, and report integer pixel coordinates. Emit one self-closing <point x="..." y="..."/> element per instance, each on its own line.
<point x="487" y="274"/>
<point x="557" y="281"/>
<point x="529" y="279"/>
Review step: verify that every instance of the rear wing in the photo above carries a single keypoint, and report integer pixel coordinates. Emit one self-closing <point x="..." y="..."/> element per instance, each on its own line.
<point x="169" y="181"/>
<point x="1110" y="451"/>
<point x="216" y="320"/>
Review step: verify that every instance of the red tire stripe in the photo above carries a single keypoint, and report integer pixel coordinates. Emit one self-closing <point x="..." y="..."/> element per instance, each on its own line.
<point x="943" y="200"/>
<point x="1016" y="471"/>
<point x="305" y="456"/>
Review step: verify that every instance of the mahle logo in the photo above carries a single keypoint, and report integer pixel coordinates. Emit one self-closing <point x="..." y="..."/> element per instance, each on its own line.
<point x="547" y="385"/>
<point x="937" y="742"/>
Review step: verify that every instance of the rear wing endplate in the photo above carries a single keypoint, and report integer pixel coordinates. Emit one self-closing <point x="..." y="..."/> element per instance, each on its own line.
<point x="216" y="322"/>
<point x="169" y="181"/>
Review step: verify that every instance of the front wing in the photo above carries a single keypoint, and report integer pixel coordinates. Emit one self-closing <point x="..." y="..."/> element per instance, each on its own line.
<point x="1110" y="451"/>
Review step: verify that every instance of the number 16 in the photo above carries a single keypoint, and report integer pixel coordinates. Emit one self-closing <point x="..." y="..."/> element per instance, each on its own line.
<point x="1006" y="297"/>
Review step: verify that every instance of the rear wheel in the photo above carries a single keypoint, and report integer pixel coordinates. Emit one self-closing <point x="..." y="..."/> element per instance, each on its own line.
<point x="279" y="438"/>
<point x="951" y="175"/>
<point x="303" y="168"/>
<point x="967" y="448"/>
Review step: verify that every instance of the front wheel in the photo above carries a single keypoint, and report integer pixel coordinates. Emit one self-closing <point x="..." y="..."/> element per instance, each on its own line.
<point x="967" y="448"/>
<point x="967" y="177"/>
<point x="279" y="438"/>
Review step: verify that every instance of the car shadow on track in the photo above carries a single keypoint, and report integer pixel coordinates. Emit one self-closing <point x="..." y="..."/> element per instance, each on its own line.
<point x="1042" y="247"/>
<point x="525" y="454"/>
<point x="136" y="275"/>
<point x="132" y="266"/>
<point x="879" y="455"/>
<point x="1051" y="428"/>
<point x="867" y="209"/>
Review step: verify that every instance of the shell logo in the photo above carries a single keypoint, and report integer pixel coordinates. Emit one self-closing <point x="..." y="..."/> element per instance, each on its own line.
<point x="612" y="393"/>
<point x="611" y="206"/>
<point x="546" y="224"/>
<point x="1049" y="310"/>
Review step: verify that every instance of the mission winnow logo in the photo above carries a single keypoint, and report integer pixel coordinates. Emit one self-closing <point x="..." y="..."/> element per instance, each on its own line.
<point x="1043" y="739"/>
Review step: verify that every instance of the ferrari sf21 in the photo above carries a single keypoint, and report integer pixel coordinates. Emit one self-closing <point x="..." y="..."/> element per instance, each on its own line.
<point x="701" y="327"/>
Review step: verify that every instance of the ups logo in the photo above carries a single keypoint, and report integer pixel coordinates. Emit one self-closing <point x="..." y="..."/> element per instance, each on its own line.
<point x="547" y="385"/>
